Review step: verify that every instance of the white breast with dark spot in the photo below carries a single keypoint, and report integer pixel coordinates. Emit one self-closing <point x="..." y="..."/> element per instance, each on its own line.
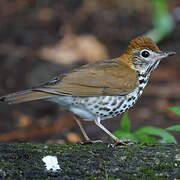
<point x="104" y="107"/>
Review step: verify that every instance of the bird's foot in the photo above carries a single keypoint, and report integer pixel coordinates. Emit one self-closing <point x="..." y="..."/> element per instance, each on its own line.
<point x="121" y="143"/>
<point x="91" y="142"/>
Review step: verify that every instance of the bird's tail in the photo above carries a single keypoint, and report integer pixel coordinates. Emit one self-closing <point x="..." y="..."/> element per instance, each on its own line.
<point x="24" y="96"/>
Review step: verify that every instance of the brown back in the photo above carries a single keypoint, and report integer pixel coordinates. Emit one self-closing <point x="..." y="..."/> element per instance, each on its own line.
<point x="110" y="77"/>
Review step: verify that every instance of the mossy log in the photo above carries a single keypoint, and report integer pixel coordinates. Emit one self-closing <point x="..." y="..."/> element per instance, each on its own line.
<point x="96" y="161"/>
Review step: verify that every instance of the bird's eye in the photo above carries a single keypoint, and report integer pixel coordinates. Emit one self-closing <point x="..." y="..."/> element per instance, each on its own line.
<point x="145" y="53"/>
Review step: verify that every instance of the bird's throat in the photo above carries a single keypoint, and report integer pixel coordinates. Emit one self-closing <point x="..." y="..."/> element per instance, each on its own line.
<point x="146" y="71"/>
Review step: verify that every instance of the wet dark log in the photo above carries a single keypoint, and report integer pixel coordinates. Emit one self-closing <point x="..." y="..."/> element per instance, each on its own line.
<point x="99" y="161"/>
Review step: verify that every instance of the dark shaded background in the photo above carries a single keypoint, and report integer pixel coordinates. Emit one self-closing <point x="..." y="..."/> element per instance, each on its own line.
<point x="34" y="32"/>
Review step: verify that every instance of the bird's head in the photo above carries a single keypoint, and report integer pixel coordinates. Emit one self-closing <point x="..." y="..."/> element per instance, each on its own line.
<point x="145" y="55"/>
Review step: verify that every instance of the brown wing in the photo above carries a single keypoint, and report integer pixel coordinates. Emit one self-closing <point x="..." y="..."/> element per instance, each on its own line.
<point x="105" y="78"/>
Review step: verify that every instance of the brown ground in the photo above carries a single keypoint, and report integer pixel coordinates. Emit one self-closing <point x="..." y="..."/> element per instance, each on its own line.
<point x="28" y="26"/>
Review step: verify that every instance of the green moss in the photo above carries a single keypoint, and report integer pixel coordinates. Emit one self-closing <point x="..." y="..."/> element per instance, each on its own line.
<point x="137" y="161"/>
<point x="148" y="172"/>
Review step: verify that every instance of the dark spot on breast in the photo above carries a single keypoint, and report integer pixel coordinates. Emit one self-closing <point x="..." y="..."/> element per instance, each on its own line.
<point x="125" y="106"/>
<point x="96" y="106"/>
<point x="114" y="109"/>
<point x="105" y="103"/>
<point x="142" y="81"/>
<point x="114" y="102"/>
<point x="104" y="109"/>
<point x="125" y="109"/>
<point x="129" y="99"/>
<point x="140" y="88"/>
<point x="110" y="98"/>
<point x="143" y="75"/>
<point x="119" y="105"/>
<point x="101" y="114"/>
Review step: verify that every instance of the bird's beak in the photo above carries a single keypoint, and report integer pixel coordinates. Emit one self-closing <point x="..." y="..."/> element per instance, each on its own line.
<point x="166" y="54"/>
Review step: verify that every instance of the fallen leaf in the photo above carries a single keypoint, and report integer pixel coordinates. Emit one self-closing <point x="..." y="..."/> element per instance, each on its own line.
<point x="24" y="121"/>
<point x="73" y="48"/>
<point x="73" y="137"/>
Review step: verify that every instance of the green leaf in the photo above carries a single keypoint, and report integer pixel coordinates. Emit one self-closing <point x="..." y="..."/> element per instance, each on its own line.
<point x="162" y="20"/>
<point x="166" y="137"/>
<point x="143" y="138"/>
<point x="174" y="128"/>
<point x="125" y="123"/>
<point x="124" y="135"/>
<point x="175" y="109"/>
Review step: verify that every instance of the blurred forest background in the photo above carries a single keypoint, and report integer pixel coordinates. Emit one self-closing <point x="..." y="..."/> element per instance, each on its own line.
<point x="42" y="38"/>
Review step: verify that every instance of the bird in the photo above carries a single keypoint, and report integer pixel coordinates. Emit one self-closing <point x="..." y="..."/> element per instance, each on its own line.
<point x="100" y="90"/>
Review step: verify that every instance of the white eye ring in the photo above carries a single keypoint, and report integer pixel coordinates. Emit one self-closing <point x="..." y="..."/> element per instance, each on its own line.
<point x="145" y="53"/>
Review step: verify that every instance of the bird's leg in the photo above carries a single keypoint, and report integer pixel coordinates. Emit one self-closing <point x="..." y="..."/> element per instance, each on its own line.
<point x="82" y="129"/>
<point x="88" y="141"/>
<point x="117" y="141"/>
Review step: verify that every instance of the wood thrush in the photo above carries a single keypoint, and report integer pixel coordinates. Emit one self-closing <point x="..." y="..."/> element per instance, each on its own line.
<point x="101" y="90"/>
